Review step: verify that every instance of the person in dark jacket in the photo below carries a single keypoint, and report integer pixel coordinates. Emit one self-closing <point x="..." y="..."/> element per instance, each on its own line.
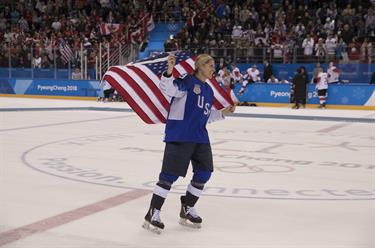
<point x="267" y="71"/>
<point x="304" y="72"/>
<point x="299" y="88"/>
<point x="372" y="78"/>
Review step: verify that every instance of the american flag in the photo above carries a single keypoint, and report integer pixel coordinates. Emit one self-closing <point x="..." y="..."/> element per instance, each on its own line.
<point x="138" y="84"/>
<point x="66" y="51"/>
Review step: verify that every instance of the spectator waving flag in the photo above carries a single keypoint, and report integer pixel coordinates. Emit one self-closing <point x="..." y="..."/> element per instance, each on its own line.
<point x="109" y="28"/>
<point x="150" y="24"/>
<point x="65" y="51"/>
<point x="138" y="84"/>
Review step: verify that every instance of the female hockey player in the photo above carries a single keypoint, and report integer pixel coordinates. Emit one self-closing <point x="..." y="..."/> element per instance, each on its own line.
<point x="322" y="87"/>
<point x="186" y="139"/>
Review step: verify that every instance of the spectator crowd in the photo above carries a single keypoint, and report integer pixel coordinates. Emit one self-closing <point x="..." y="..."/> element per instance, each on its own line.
<point x="49" y="33"/>
<point x="313" y="30"/>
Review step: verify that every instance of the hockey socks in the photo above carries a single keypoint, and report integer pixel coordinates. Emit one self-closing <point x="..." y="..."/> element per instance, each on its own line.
<point x="195" y="188"/>
<point x="193" y="193"/>
<point x="322" y="101"/>
<point x="152" y="218"/>
<point x="160" y="193"/>
<point x="162" y="187"/>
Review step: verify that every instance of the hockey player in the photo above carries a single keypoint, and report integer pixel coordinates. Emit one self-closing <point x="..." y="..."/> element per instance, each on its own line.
<point x="236" y="74"/>
<point x="333" y="73"/>
<point x="273" y="80"/>
<point x="108" y="91"/>
<point x="252" y="76"/>
<point x="322" y="87"/>
<point x="186" y="140"/>
<point x="224" y="77"/>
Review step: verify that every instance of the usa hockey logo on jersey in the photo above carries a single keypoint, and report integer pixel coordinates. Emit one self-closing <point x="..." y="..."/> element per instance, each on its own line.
<point x="197" y="89"/>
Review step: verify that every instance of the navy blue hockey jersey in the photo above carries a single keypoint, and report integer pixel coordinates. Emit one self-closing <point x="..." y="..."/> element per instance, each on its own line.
<point x="190" y="109"/>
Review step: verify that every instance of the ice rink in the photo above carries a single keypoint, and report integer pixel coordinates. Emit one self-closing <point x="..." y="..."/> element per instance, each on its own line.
<point x="80" y="174"/>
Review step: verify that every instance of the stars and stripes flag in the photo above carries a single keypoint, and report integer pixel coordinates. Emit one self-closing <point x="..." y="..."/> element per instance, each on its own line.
<point x="150" y="24"/>
<point x="138" y="84"/>
<point x="65" y="51"/>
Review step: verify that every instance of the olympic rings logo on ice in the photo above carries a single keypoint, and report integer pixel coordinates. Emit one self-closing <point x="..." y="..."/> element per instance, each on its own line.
<point x="71" y="159"/>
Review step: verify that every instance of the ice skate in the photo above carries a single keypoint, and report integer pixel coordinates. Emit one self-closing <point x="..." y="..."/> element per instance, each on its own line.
<point x="153" y="222"/>
<point x="189" y="216"/>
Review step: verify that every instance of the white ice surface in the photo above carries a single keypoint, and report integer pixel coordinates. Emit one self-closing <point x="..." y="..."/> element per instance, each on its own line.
<point x="277" y="182"/>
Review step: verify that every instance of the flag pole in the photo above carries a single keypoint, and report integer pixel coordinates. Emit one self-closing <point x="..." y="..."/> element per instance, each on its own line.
<point x="100" y="60"/>
<point x="81" y="60"/>
<point x="107" y="55"/>
<point x="96" y="67"/>
<point x="54" y="61"/>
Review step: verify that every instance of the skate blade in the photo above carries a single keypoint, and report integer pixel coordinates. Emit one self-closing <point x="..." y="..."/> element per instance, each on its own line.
<point x="146" y="225"/>
<point x="188" y="223"/>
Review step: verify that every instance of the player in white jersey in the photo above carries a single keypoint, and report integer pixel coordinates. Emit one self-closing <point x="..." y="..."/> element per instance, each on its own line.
<point x="220" y="76"/>
<point x="108" y="91"/>
<point x="273" y="80"/>
<point x="322" y="87"/>
<point x="333" y="73"/>
<point x="236" y="74"/>
<point x="225" y="78"/>
<point x="252" y="76"/>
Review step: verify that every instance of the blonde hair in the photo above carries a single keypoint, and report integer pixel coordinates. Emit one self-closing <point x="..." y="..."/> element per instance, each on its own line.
<point x="202" y="60"/>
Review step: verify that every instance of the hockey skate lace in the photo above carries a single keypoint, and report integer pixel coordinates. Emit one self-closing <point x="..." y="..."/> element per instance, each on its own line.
<point x="192" y="212"/>
<point x="156" y="216"/>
